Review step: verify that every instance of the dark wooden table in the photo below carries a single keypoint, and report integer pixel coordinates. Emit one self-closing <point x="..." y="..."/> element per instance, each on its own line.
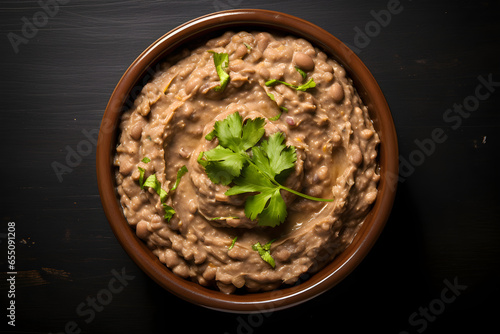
<point x="436" y="267"/>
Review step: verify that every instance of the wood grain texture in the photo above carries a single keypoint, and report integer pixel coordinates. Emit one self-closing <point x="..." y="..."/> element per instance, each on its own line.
<point x="445" y="220"/>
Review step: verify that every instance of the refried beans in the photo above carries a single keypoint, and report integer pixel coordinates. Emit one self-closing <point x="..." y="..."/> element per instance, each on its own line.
<point x="209" y="239"/>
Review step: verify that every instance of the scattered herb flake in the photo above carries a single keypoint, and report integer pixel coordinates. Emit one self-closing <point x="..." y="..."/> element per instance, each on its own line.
<point x="302" y="73"/>
<point x="303" y="87"/>
<point x="232" y="243"/>
<point x="141" y="177"/>
<point x="224" y="218"/>
<point x="169" y="212"/>
<point x="275" y="118"/>
<point x="152" y="182"/>
<point x="180" y="173"/>
<point x="283" y="109"/>
<point x="163" y="195"/>
<point x="221" y="62"/>
<point x="307" y="85"/>
<point x="146" y="160"/>
<point x="265" y="252"/>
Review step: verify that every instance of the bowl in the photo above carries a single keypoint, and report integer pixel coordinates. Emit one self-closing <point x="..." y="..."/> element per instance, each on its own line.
<point x="137" y="76"/>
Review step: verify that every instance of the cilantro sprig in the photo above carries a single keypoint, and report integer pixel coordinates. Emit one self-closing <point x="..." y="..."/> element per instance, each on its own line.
<point x="260" y="172"/>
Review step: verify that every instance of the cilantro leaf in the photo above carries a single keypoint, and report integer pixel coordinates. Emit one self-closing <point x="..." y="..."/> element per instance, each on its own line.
<point x="169" y="212"/>
<point x="250" y="180"/>
<point x="224" y="162"/>
<point x="307" y="85"/>
<point x="222" y="165"/>
<point x="163" y="195"/>
<point x="235" y="135"/>
<point x="275" y="118"/>
<point x="265" y="252"/>
<point x="180" y="173"/>
<point x="152" y="182"/>
<point x="275" y="212"/>
<point x="221" y="62"/>
<point x="273" y="156"/>
<point x="268" y="205"/>
<point x="146" y="160"/>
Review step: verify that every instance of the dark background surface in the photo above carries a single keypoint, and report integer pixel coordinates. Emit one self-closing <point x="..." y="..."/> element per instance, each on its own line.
<point x="444" y="228"/>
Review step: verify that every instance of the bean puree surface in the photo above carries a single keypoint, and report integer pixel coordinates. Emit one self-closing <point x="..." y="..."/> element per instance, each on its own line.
<point x="329" y="126"/>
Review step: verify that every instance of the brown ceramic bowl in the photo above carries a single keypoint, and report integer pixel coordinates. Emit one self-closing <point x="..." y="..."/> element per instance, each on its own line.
<point x="137" y="75"/>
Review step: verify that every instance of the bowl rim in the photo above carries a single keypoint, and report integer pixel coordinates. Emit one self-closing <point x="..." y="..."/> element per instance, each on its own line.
<point x="316" y="283"/>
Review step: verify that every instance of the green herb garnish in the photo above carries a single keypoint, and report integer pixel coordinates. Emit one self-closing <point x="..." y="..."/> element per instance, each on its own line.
<point x="152" y="182"/>
<point x="261" y="173"/>
<point x="303" y="87"/>
<point x="232" y="243"/>
<point x="169" y="212"/>
<point x="283" y="109"/>
<point x="141" y="177"/>
<point x="275" y="118"/>
<point x="248" y="46"/>
<point x="224" y="163"/>
<point x="146" y="160"/>
<point x="302" y="73"/>
<point x="180" y="173"/>
<point x="221" y="61"/>
<point x="265" y="252"/>
<point x="224" y="218"/>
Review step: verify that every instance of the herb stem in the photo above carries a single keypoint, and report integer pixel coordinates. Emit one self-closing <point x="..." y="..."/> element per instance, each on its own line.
<point x="306" y="196"/>
<point x="276" y="183"/>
